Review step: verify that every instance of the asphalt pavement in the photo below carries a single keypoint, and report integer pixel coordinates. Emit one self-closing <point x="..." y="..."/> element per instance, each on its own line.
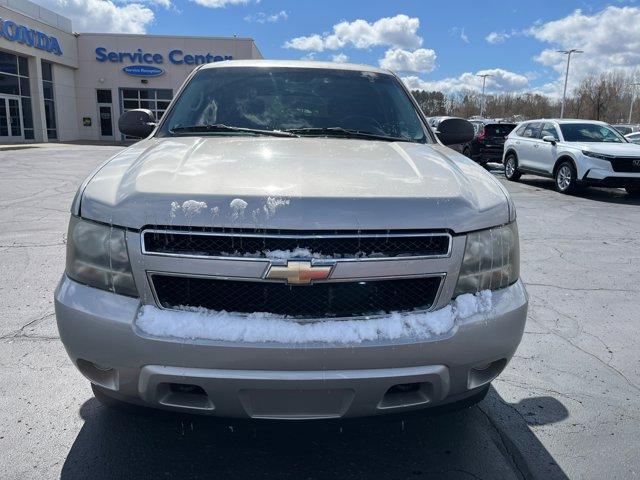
<point x="567" y="406"/>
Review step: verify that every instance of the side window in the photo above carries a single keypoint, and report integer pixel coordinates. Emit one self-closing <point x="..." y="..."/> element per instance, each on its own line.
<point x="520" y="130"/>
<point x="532" y="130"/>
<point x="549" y="129"/>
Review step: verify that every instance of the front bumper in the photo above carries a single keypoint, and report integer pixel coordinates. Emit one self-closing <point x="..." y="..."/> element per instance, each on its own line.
<point x="269" y="380"/>
<point x="606" y="178"/>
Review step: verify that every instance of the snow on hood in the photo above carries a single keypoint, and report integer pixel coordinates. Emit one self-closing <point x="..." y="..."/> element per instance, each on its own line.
<point x="293" y="183"/>
<point x="202" y="324"/>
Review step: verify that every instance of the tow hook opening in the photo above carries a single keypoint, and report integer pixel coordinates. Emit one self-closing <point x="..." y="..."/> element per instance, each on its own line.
<point x="407" y="394"/>
<point x="184" y="395"/>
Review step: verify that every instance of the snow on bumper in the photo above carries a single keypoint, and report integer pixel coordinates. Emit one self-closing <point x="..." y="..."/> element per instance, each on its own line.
<point x="202" y="324"/>
<point x="103" y="329"/>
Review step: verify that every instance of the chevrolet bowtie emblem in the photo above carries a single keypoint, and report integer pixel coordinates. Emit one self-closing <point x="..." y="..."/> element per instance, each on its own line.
<point x="298" y="273"/>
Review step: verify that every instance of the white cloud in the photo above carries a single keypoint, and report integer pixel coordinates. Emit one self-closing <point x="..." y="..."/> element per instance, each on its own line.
<point x="497" y="37"/>
<point x="458" y="31"/>
<point x="610" y="40"/>
<point x="105" y="15"/>
<point x="340" y="58"/>
<point x="398" y="60"/>
<point x="500" y="37"/>
<point x="262" y="17"/>
<point x="162" y="3"/>
<point x="312" y="43"/>
<point x="500" y="81"/>
<point x="220" y="3"/>
<point x="399" y="31"/>
<point x="463" y="36"/>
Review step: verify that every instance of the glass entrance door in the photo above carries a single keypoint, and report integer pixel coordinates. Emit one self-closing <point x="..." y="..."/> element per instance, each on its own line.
<point x="106" y="123"/>
<point x="10" y="119"/>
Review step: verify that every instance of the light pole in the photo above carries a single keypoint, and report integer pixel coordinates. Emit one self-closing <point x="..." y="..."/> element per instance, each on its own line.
<point x="566" y="76"/>
<point x="484" y="82"/>
<point x="633" y="97"/>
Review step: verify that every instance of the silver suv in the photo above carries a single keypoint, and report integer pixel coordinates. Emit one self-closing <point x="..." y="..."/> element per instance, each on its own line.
<point x="574" y="153"/>
<point x="291" y="241"/>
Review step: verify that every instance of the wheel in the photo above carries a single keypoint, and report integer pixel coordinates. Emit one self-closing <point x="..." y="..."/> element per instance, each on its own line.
<point x="566" y="177"/>
<point x="110" y="402"/>
<point x="511" y="168"/>
<point x="633" y="191"/>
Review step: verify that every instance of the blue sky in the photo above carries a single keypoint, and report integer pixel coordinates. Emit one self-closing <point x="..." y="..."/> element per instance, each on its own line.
<point x="439" y="45"/>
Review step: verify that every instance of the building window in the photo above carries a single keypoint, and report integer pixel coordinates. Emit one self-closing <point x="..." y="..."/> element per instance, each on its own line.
<point x="156" y="100"/>
<point x="103" y="96"/>
<point x="49" y="103"/>
<point x="14" y="80"/>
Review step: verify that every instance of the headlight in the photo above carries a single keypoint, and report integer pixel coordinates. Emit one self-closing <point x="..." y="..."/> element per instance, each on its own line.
<point x="491" y="260"/>
<point x="601" y="156"/>
<point x="97" y="256"/>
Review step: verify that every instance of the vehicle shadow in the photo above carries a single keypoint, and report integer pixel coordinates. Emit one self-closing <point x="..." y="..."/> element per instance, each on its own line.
<point x="489" y="441"/>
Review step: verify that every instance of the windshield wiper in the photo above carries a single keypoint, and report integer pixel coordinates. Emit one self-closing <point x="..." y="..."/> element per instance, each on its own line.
<point x="219" y="127"/>
<point x="346" y="133"/>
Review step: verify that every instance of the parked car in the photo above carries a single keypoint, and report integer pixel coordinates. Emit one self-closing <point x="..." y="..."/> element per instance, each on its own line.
<point x="477" y="126"/>
<point x="488" y="143"/>
<point x="573" y="152"/>
<point x="633" y="137"/>
<point x="625" y="129"/>
<point x="291" y="241"/>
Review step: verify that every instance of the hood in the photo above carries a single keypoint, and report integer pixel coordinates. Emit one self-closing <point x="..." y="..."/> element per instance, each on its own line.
<point x="293" y="183"/>
<point x="615" y="149"/>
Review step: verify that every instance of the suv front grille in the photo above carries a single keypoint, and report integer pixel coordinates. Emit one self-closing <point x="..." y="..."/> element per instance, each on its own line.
<point x="319" y="300"/>
<point x="626" y="164"/>
<point x="320" y="245"/>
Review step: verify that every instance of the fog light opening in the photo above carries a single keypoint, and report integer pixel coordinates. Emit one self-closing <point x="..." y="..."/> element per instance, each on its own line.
<point x="485" y="373"/>
<point x="99" y="374"/>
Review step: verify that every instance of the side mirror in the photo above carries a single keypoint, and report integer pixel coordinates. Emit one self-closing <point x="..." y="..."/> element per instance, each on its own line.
<point x="453" y="131"/>
<point x="549" y="138"/>
<point x="137" y="123"/>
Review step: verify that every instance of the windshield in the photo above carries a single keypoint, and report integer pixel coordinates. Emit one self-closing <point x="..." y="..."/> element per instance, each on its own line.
<point x="590" y="132"/>
<point x="265" y="98"/>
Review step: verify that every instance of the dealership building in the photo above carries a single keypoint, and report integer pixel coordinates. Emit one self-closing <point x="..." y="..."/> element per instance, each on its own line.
<point x="58" y="85"/>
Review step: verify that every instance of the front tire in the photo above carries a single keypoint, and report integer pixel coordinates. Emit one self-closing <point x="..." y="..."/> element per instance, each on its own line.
<point x="633" y="191"/>
<point x="566" y="177"/>
<point x="511" y="171"/>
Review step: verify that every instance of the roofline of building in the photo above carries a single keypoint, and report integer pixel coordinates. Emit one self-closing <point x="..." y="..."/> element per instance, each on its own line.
<point x="137" y="35"/>
<point x="15" y="8"/>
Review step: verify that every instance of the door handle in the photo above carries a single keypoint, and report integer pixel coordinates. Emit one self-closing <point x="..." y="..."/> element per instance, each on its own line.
<point x="536" y="145"/>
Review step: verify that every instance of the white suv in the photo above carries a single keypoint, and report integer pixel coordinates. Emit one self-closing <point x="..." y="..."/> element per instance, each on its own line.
<point x="573" y="152"/>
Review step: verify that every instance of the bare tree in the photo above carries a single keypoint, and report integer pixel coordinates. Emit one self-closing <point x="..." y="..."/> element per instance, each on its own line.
<point x="604" y="97"/>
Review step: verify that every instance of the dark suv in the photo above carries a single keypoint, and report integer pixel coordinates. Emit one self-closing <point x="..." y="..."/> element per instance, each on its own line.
<point x="488" y="143"/>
